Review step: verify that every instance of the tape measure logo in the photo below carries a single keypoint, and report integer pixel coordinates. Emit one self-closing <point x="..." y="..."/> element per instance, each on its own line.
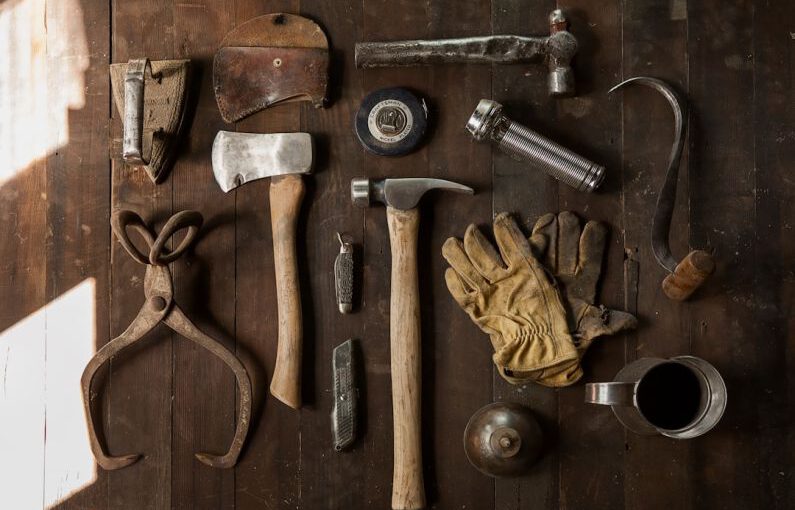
<point x="390" y="121"/>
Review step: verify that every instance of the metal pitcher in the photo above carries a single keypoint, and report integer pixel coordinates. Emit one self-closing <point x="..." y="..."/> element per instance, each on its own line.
<point x="681" y="397"/>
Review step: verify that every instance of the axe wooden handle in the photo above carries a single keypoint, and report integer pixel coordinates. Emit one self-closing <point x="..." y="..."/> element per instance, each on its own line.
<point x="286" y="193"/>
<point x="408" y="490"/>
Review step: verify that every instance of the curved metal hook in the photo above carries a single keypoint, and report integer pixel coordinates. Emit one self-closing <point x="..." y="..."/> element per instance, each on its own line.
<point x="663" y="213"/>
<point x="689" y="274"/>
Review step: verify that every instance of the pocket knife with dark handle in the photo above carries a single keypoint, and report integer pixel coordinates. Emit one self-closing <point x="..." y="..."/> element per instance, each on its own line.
<point x="343" y="414"/>
<point x="343" y="276"/>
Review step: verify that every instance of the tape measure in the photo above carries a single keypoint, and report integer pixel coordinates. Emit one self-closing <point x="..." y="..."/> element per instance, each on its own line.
<point x="391" y="122"/>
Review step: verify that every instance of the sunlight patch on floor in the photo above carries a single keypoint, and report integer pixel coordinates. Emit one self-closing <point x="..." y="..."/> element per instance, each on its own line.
<point x="41" y="78"/>
<point x="42" y="358"/>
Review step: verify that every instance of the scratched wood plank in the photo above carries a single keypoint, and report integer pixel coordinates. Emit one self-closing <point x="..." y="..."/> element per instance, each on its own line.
<point x="22" y="267"/>
<point x="205" y="404"/>
<point x="774" y="134"/>
<point x="527" y="194"/>
<point x="665" y="325"/>
<point x="331" y="479"/>
<point x="723" y="201"/>
<point x="453" y="347"/>
<point x="78" y="247"/>
<point x="140" y="384"/>
<point x="405" y="19"/>
<point x="774" y="118"/>
<point x="589" y="124"/>
<point x="269" y="473"/>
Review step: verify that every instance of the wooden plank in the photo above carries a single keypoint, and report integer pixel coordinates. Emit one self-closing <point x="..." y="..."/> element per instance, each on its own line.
<point x="205" y="404"/>
<point x="589" y="124"/>
<point x="773" y="303"/>
<point x="527" y="194"/>
<point x="269" y="473"/>
<point x="665" y="325"/>
<point x="453" y="347"/>
<point x="140" y="384"/>
<point x="78" y="246"/>
<point x="406" y="20"/>
<point x="22" y="268"/>
<point x="723" y="216"/>
<point x="331" y="479"/>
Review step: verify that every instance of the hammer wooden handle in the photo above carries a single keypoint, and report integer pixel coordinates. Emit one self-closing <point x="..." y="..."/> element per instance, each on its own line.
<point x="408" y="490"/>
<point x="286" y="193"/>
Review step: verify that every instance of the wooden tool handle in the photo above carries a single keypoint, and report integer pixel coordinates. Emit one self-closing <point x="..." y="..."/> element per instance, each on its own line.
<point x="408" y="490"/>
<point x="688" y="276"/>
<point x="285" y="195"/>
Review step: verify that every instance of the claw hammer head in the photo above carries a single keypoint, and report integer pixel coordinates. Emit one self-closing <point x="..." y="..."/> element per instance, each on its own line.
<point x="403" y="194"/>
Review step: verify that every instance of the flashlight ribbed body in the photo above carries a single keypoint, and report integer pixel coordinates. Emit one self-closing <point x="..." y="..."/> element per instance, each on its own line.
<point x="554" y="159"/>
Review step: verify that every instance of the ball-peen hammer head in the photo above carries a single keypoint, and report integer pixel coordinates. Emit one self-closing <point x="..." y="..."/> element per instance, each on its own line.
<point x="401" y="194"/>
<point x="561" y="48"/>
<point x="239" y="158"/>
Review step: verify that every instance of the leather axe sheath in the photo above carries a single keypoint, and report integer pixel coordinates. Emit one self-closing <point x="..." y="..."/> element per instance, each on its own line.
<point x="276" y="58"/>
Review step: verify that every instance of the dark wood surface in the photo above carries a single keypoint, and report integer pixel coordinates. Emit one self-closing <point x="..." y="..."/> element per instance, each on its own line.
<point x="169" y="398"/>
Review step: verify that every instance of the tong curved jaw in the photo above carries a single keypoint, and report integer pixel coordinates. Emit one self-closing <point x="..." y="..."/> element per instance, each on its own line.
<point x="160" y="307"/>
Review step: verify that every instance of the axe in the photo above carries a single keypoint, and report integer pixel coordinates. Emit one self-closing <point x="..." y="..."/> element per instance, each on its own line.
<point x="239" y="158"/>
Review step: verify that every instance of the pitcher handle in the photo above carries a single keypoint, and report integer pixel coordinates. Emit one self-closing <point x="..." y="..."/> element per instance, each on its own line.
<point x="611" y="393"/>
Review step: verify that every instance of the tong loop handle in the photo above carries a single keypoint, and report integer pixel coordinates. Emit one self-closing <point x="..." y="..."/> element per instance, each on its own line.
<point x="120" y="221"/>
<point x="158" y="254"/>
<point x="192" y="220"/>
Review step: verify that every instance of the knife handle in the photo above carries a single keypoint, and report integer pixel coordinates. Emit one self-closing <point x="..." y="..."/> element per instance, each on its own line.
<point x="343" y="276"/>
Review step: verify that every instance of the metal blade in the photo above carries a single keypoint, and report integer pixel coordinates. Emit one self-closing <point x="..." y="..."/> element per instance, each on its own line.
<point x="239" y="158"/>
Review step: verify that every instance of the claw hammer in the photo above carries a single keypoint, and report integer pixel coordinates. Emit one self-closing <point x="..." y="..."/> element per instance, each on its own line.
<point x="401" y="197"/>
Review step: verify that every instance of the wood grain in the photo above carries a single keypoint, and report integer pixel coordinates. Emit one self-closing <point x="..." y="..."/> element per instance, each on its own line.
<point x="286" y="194"/>
<point x="408" y="489"/>
<point x="735" y="62"/>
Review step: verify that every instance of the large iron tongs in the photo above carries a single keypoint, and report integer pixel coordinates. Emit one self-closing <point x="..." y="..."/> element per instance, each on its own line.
<point x="160" y="307"/>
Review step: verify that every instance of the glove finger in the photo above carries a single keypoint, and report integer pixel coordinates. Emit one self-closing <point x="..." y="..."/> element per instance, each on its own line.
<point x="483" y="255"/>
<point x="547" y="225"/>
<point x="453" y="252"/>
<point x="458" y="289"/>
<point x="592" y="249"/>
<point x="513" y="245"/>
<point x="568" y="243"/>
<point x="538" y="243"/>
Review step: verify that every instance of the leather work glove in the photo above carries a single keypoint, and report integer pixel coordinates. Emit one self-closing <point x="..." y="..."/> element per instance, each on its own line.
<point x="513" y="299"/>
<point x="574" y="256"/>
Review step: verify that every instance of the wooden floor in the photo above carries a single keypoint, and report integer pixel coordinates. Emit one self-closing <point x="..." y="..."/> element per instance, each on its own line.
<point x="734" y="60"/>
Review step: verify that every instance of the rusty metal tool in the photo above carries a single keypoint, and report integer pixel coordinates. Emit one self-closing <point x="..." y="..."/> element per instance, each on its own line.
<point x="691" y="272"/>
<point x="401" y="197"/>
<point x="276" y="58"/>
<point x="557" y="49"/>
<point x="344" y="414"/>
<point x="151" y="97"/>
<point x="160" y="307"/>
<point x="239" y="158"/>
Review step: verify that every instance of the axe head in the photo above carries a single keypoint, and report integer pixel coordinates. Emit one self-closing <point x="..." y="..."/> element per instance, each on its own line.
<point x="239" y="158"/>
